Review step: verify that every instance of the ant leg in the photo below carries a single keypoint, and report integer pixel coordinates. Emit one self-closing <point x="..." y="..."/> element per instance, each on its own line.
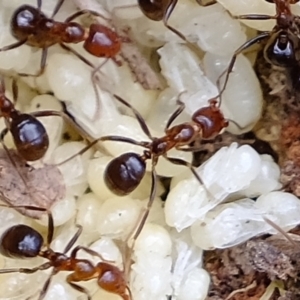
<point x="114" y="138"/>
<point x="78" y="55"/>
<point x="42" y="267"/>
<point x="39" y="5"/>
<point x="15" y="91"/>
<point x="67" y="118"/>
<point x="89" y="251"/>
<point x="42" y="65"/>
<point x="229" y="69"/>
<point x="46" y="285"/>
<point x="2" y="135"/>
<point x="175" y="114"/>
<point x="94" y="83"/>
<point x="13" y="46"/>
<point x="255" y="17"/>
<point x="140" y="119"/>
<point x="149" y="204"/>
<point x="73" y="239"/>
<point x="83" y="12"/>
<point x="57" y="8"/>
<point x="78" y="287"/>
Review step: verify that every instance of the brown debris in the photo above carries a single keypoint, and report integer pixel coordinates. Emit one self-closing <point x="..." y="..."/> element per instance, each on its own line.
<point x="41" y="187"/>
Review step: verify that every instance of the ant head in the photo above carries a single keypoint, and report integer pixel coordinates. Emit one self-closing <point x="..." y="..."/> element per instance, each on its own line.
<point x="280" y="51"/>
<point x="154" y="9"/>
<point x="124" y="173"/>
<point x="211" y="120"/>
<point x="74" y="33"/>
<point x="24" y="21"/>
<point x="21" y="241"/>
<point x="102" y="41"/>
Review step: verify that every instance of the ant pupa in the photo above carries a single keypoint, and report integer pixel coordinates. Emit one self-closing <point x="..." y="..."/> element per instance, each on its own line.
<point x="28" y="133"/>
<point x="125" y="172"/>
<point x="30" y="26"/>
<point x="24" y="242"/>
<point x="161" y="10"/>
<point x="281" y="43"/>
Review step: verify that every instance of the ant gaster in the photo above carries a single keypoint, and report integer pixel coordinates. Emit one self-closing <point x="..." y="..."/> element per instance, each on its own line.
<point x="161" y="10"/>
<point x="282" y="42"/>
<point x="28" y="133"/>
<point x="23" y="242"/>
<point x="125" y="172"/>
<point x="30" y="26"/>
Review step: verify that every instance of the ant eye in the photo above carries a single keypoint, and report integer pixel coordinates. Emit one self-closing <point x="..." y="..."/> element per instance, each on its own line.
<point x="21" y="241"/>
<point x="281" y="52"/>
<point x="124" y="173"/>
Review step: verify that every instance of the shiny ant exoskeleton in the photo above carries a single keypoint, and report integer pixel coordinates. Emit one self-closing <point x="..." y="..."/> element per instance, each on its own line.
<point x="161" y="10"/>
<point x="125" y="172"/>
<point x="282" y="42"/>
<point x="24" y="242"/>
<point x="30" y="26"/>
<point x="28" y="133"/>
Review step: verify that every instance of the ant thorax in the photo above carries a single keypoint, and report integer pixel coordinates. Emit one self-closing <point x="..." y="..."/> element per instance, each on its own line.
<point x="126" y="154"/>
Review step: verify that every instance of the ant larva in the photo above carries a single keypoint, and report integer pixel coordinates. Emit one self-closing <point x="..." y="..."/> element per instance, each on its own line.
<point x="124" y="173"/>
<point x="28" y="133"/>
<point x="24" y="242"/>
<point x="30" y="26"/>
<point x="282" y="41"/>
<point x="161" y="10"/>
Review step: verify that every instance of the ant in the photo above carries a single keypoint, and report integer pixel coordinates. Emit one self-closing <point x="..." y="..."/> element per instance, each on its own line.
<point x="28" y="133"/>
<point x="161" y="10"/>
<point x="30" y="26"/>
<point x="23" y="242"/>
<point x="125" y="172"/>
<point x="282" y="42"/>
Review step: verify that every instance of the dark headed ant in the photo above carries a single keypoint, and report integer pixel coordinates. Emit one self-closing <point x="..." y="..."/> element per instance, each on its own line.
<point x="23" y="242"/>
<point x="161" y="10"/>
<point x="282" y="43"/>
<point x="124" y="173"/>
<point x="30" y="26"/>
<point x="28" y="133"/>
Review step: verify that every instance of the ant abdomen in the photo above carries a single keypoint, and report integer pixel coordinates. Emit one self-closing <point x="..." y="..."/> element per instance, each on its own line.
<point x="29" y="133"/>
<point x="24" y="21"/>
<point x="280" y="51"/>
<point x="102" y="41"/>
<point x="124" y="173"/>
<point x="153" y="9"/>
<point x="21" y="241"/>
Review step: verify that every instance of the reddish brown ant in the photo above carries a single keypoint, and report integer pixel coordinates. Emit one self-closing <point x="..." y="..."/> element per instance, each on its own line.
<point x="282" y="42"/>
<point x="23" y="242"/>
<point x="30" y="26"/>
<point x="125" y="172"/>
<point x="28" y="133"/>
<point x="161" y="10"/>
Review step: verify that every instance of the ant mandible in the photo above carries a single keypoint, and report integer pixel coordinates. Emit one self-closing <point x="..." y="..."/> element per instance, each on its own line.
<point x="30" y="26"/>
<point x="125" y="172"/>
<point x="23" y="242"/>
<point x="282" y="42"/>
<point x="161" y="10"/>
<point x="28" y="133"/>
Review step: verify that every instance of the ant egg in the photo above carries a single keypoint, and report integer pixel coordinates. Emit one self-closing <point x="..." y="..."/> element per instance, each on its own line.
<point x="88" y="206"/>
<point x="267" y="180"/>
<point x="68" y="76"/>
<point x="195" y="285"/>
<point x="154" y="239"/>
<point x="118" y="216"/>
<point x="242" y="99"/>
<point x="62" y="211"/>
